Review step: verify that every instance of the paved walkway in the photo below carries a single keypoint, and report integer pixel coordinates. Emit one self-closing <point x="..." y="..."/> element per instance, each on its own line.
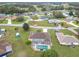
<point x="19" y="25"/>
<point x="72" y="30"/>
<point x="73" y="24"/>
<point x="9" y="21"/>
<point x="45" y="30"/>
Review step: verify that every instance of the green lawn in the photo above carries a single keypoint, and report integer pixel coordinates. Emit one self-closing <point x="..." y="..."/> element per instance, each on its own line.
<point x="3" y="21"/>
<point x="64" y="24"/>
<point x="41" y="23"/>
<point x="67" y="32"/>
<point x="20" y="22"/>
<point x="19" y="47"/>
<point x="63" y="51"/>
<point x="76" y="30"/>
<point x="76" y="23"/>
<point x="17" y="22"/>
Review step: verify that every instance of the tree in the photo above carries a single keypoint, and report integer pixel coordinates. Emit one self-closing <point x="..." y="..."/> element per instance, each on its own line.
<point x="31" y="9"/>
<point x="60" y="7"/>
<point x="77" y="13"/>
<point x="25" y="26"/>
<point x="71" y="13"/>
<point x="49" y="53"/>
<point x="58" y="14"/>
<point x="28" y="42"/>
<point x="43" y="9"/>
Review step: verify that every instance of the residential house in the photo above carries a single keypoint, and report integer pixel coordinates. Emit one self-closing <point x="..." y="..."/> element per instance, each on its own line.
<point x="2" y="16"/>
<point x="41" y="41"/>
<point x="54" y="21"/>
<point x="5" y="46"/>
<point x="66" y="39"/>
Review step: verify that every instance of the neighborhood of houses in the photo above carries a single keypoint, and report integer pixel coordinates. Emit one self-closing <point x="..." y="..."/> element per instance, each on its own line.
<point x="66" y="33"/>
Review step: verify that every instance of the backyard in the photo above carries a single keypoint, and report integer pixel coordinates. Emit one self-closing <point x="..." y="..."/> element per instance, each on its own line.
<point x="19" y="46"/>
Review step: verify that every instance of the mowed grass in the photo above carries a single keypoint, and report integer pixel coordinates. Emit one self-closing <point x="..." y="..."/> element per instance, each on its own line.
<point x="67" y="32"/>
<point x="19" y="46"/>
<point x="63" y="51"/>
<point x="17" y="22"/>
<point x="3" y="21"/>
<point x="66" y="24"/>
<point x="77" y="30"/>
<point x="41" y="23"/>
<point x="76" y="23"/>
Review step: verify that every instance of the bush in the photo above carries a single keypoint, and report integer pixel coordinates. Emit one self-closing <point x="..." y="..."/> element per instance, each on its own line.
<point x="49" y="53"/>
<point x="58" y="14"/>
<point x="28" y="42"/>
<point x="38" y="30"/>
<point x="71" y="13"/>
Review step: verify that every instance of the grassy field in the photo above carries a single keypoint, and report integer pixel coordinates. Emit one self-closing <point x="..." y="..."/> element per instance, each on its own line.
<point x="45" y="23"/>
<point x="15" y="22"/>
<point x="41" y="23"/>
<point x="76" y="23"/>
<point x="64" y="51"/>
<point x="67" y="32"/>
<point x="65" y="24"/>
<point x="19" y="46"/>
<point x="3" y="21"/>
<point x="76" y="30"/>
<point x="18" y="22"/>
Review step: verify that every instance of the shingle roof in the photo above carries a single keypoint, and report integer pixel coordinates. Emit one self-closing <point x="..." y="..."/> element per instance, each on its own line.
<point x="66" y="39"/>
<point x="3" y="44"/>
<point x="42" y="36"/>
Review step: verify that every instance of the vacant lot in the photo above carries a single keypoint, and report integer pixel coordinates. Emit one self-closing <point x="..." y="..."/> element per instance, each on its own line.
<point x="41" y="23"/>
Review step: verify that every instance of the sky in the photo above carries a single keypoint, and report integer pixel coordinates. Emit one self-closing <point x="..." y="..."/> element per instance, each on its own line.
<point x="39" y="0"/>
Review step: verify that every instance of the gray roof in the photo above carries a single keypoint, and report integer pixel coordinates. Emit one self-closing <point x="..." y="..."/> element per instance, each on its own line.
<point x="54" y="21"/>
<point x="66" y="39"/>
